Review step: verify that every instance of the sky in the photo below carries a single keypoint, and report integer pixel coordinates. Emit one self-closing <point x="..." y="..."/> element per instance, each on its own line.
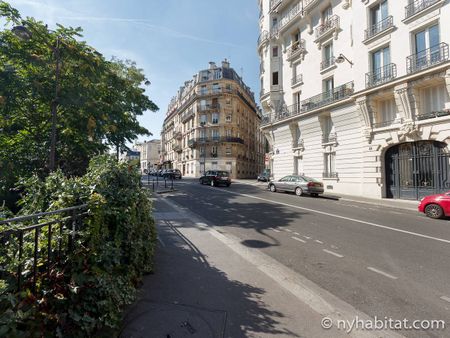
<point x="170" y="40"/>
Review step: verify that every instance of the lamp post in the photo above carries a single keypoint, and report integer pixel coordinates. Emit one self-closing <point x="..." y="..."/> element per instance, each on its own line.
<point x="24" y="33"/>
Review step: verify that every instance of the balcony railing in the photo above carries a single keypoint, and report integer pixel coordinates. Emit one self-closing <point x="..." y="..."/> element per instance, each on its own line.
<point x="330" y="24"/>
<point x="206" y="107"/>
<point x="297" y="79"/>
<point x="427" y="58"/>
<point x="418" y="6"/>
<point x="225" y="139"/>
<point x="327" y="63"/>
<point x="297" y="49"/>
<point x="432" y="115"/>
<point x="177" y="148"/>
<point x="263" y="37"/>
<point x="381" y="75"/>
<point x="187" y="115"/>
<point x="330" y="174"/>
<point x="387" y="123"/>
<point x="178" y="134"/>
<point x="287" y="18"/>
<point x="309" y="3"/>
<point x="274" y="3"/>
<point x="315" y="102"/>
<point x="379" y="27"/>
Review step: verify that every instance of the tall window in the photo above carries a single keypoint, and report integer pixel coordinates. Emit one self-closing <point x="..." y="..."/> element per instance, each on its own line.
<point x="380" y="59"/>
<point x="433" y="98"/>
<point x="215" y="118"/>
<point x="328" y="86"/>
<point x="296" y="100"/>
<point x="379" y="12"/>
<point x="203" y="90"/>
<point x="327" y="14"/>
<point x="386" y="112"/>
<point x="327" y="128"/>
<point x="327" y="56"/>
<point x="215" y="134"/>
<point x="329" y="164"/>
<point x="275" y="51"/>
<point x="427" y="38"/>
<point x="216" y="87"/>
<point x="275" y="78"/>
<point x="202" y="133"/>
<point x="203" y="119"/>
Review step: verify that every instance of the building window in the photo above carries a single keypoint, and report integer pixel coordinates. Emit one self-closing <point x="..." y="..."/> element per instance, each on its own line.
<point x="228" y="119"/>
<point x="216" y="87"/>
<point x="328" y="86"/>
<point x="427" y="38"/>
<point x="275" y="51"/>
<point x="215" y="118"/>
<point x="380" y="61"/>
<point x="214" y="165"/>
<point x="433" y="99"/>
<point x="203" y="119"/>
<point x="386" y="112"/>
<point x="275" y="78"/>
<point x="203" y="90"/>
<point x="228" y="150"/>
<point x="202" y="134"/>
<point x="327" y="56"/>
<point x="329" y="165"/>
<point x="214" y="151"/>
<point x="327" y="14"/>
<point x="228" y="132"/>
<point x="296" y="100"/>
<point x="215" y="134"/>
<point x="202" y="151"/>
<point x="328" y="133"/>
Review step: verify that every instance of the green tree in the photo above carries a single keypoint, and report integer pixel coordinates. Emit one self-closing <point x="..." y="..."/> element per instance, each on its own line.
<point x="98" y="100"/>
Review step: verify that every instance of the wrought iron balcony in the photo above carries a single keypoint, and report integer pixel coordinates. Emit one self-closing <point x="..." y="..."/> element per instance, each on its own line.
<point x="307" y="4"/>
<point x="178" y="135"/>
<point x="297" y="49"/>
<point x="177" y="148"/>
<point x="433" y="114"/>
<point x="330" y="174"/>
<point x="215" y="139"/>
<point x="381" y="75"/>
<point x="427" y="58"/>
<point x="187" y="115"/>
<point x="274" y="3"/>
<point x="418" y="6"/>
<point x="286" y="19"/>
<point x="329" y="25"/>
<point x="314" y="102"/>
<point x="327" y="63"/>
<point x="207" y="107"/>
<point x="263" y="37"/>
<point x="379" y="27"/>
<point x="297" y="80"/>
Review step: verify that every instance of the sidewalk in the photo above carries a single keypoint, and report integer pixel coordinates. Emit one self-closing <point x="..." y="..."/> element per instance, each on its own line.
<point x="387" y="202"/>
<point x="207" y="284"/>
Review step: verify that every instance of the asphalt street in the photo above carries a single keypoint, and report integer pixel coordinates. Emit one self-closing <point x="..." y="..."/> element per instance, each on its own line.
<point x="386" y="262"/>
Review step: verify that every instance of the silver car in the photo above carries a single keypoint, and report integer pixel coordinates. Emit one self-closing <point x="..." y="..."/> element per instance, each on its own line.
<point x="298" y="184"/>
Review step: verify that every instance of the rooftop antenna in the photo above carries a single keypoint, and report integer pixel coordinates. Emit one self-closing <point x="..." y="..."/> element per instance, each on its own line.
<point x="242" y="73"/>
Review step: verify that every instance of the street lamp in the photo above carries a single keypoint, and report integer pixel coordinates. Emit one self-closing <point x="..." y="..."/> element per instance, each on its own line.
<point x="24" y="33"/>
<point x="341" y="58"/>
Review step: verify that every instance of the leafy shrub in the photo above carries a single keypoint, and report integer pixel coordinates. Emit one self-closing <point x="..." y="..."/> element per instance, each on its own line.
<point x="84" y="292"/>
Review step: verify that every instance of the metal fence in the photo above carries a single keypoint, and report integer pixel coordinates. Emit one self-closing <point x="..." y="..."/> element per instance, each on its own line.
<point x="32" y="244"/>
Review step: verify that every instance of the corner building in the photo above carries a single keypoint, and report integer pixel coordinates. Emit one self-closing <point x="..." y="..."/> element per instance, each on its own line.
<point x="213" y="123"/>
<point x="356" y="93"/>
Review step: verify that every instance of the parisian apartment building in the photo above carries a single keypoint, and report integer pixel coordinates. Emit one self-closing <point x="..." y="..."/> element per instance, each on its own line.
<point x="213" y="123"/>
<point x="356" y="94"/>
<point x="150" y="152"/>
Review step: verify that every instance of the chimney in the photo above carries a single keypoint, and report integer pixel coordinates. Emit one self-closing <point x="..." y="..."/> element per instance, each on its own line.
<point x="212" y="65"/>
<point x="225" y="64"/>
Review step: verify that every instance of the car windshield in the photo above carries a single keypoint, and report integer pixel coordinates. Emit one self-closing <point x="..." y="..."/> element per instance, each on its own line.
<point x="222" y="173"/>
<point x="310" y="179"/>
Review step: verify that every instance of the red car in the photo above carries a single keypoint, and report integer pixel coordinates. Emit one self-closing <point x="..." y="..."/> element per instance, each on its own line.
<point x="436" y="206"/>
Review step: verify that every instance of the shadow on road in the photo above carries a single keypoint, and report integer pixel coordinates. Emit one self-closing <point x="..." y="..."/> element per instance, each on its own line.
<point x="186" y="296"/>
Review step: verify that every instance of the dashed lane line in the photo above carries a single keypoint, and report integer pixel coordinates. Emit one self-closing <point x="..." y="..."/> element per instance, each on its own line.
<point x="275" y="230"/>
<point x="298" y="239"/>
<point x="381" y="273"/>
<point x="445" y="298"/>
<point x="333" y="253"/>
<point x="317" y="241"/>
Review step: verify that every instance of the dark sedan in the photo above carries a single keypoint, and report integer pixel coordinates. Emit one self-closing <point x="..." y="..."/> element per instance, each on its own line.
<point x="298" y="184"/>
<point x="216" y="177"/>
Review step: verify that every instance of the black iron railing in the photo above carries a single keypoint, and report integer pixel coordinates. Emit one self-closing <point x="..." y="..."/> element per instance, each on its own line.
<point x="329" y="24"/>
<point x="381" y="75"/>
<point x="418" y="6"/>
<point x="327" y="63"/>
<point x="379" y="27"/>
<point x="433" y="114"/>
<point x="427" y="58"/>
<point x="297" y="79"/>
<point x="297" y="48"/>
<point x="314" y="102"/>
<point x="203" y="140"/>
<point x="31" y="244"/>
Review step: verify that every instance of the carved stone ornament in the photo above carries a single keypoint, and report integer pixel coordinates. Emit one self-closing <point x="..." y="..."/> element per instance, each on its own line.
<point x="346" y="4"/>
<point x="367" y="132"/>
<point x="408" y="129"/>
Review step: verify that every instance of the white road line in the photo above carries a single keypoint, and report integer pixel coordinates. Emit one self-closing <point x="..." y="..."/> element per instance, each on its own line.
<point x="333" y="253"/>
<point x="342" y="217"/>
<point x="296" y="233"/>
<point x="317" y="241"/>
<point x="162" y="243"/>
<point x="307" y="237"/>
<point x="275" y="230"/>
<point x="447" y="299"/>
<point x="381" y="272"/>
<point x="288" y="230"/>
<point x="298" y="239"/>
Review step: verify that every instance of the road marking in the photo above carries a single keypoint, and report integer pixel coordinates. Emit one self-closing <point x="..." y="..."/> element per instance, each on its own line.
<point x="447" y="299"/>
<point x="160" y="241"/>
<point x="317" y="241"/>
<point x="298" y="239"/>
<point x="381" y="272"/>
<point x="307" y="237"/>
<point x="288" y="230"/>
<point x="333" y="253"/>
<point x="275" y="230"/>
<point x="342" y="217"/>
<point x="296" y="233"/>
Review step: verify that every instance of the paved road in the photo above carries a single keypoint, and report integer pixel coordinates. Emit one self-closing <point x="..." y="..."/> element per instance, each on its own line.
<point x="385" y="262"/>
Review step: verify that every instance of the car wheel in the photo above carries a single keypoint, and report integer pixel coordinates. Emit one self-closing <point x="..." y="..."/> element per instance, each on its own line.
<point x="228" y="184"/>
<point x="273" y="188"/>
<point x="298" y="191"/>
<point x="212" y="183"/>
<point x="434" y="211"/>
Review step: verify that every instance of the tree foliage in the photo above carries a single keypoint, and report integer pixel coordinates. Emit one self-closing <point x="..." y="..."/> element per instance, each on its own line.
<point x="98" y="100"/>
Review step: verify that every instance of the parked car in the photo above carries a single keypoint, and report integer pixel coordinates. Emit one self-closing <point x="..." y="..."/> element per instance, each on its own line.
<point x="435" y="206"/>
<point x="172" y="173"/>
<point x="216" y="177"/>
<point x="263" y="177"/>
<point x="298" y="184"/>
